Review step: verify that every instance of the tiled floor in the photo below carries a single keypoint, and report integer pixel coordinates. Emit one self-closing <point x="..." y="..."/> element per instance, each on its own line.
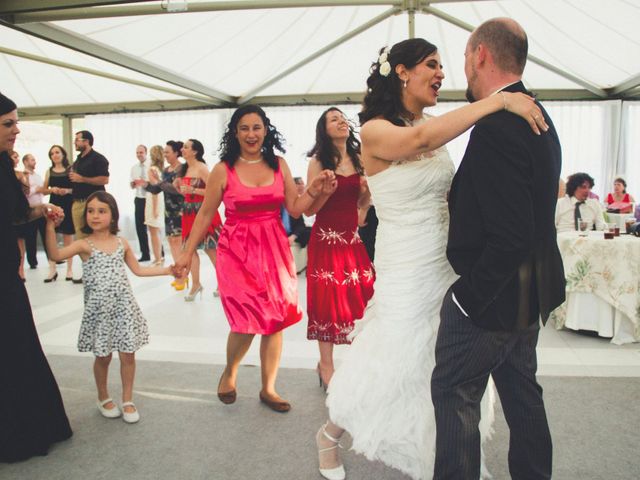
<point x="196" y="332"/>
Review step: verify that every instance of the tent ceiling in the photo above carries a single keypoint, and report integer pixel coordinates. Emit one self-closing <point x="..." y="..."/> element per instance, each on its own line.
<point x="79" y="57"/>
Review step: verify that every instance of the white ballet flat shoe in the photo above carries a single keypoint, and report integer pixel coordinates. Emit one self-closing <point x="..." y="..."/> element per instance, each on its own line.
<point x="108" y="412"/>
<point x="336" y="473"/>
<point x="132" y="417"/>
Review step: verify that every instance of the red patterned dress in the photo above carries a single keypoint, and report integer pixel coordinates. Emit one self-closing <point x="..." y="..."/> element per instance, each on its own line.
<point x="192" y="204"/>
<point x="340" y="275"/>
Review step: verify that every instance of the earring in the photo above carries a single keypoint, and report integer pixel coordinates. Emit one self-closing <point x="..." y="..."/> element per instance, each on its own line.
<point x="404" y="84"/>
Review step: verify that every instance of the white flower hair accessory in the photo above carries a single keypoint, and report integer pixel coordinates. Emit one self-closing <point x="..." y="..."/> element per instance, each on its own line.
<point x="385" y="66"/>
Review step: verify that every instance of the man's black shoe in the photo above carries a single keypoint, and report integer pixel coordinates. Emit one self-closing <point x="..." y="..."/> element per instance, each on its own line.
<point x="33" y="267"/>
<point x="144" y="259"/>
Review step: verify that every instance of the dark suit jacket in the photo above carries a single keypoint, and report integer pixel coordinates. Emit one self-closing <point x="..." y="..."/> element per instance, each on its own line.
<point x="502" y="235"/>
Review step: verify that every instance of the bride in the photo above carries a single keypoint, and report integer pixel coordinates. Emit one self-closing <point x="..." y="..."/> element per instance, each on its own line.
<point x="380" y="393"/>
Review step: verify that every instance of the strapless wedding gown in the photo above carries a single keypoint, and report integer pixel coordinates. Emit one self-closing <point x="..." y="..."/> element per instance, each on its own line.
<point x="381" y="391"/>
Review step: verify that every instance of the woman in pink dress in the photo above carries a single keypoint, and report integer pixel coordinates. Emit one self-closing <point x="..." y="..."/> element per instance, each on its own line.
<point x="256" y="273"/>
<point x="340" y="275"/>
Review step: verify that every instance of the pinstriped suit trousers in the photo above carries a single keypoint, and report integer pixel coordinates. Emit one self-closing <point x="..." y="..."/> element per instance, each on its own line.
<point x="465" y="357"/>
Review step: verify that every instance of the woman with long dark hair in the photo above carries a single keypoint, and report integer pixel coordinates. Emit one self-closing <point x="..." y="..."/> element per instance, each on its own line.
<point x="381" y="391"/>
<point x="192" y="182"/>
<point x="256" y="273"/>
<point x="340" y="275"/>
<point x="58" y="185"/>
<point x="32" y="415"/>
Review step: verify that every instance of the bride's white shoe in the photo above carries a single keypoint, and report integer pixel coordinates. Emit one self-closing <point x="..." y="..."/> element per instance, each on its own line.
<point x="335" y="473"/>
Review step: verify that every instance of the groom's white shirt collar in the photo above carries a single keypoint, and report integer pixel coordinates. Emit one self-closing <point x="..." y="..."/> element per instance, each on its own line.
<point x="507" y="85"/>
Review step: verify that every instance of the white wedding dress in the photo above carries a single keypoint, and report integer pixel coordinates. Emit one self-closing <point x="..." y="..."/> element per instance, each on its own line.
<point x="381" y="392"/>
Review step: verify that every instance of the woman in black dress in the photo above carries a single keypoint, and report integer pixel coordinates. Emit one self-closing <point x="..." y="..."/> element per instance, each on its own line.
<point x="32" y="415"/>
<point x="58" y="184"/>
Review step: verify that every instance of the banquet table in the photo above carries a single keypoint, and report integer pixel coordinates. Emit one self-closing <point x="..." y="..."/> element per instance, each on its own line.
<point x="603" y="285"/>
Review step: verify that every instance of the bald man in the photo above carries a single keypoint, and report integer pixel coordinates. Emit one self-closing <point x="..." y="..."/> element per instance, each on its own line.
<point x="502" y="244"/>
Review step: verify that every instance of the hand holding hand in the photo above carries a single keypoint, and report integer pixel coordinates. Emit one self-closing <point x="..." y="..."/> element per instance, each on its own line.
<point x="180" y="269"/>
<point x="53" y="214"/>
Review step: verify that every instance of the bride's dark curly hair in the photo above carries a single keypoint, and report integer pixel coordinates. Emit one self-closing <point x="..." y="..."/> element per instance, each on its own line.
<point x="327" y="153"/>
<point x="273" y="140"/>
<point x="384" y="94"/>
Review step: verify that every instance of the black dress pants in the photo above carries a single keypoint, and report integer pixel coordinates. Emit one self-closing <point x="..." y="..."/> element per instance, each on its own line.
<point x="141" y="228"/>
<point x="465" y="357"/>
<point x="31" y="240"/>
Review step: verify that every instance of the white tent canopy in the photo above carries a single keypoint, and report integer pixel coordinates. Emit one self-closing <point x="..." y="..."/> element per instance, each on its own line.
<point x="79" y="57"/>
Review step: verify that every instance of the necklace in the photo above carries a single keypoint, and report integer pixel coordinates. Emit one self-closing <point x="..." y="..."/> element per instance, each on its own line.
<point x="250" y="162"/>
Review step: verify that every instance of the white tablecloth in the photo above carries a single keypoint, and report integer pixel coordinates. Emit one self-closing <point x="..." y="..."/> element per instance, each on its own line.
<point x="603" y="285"/>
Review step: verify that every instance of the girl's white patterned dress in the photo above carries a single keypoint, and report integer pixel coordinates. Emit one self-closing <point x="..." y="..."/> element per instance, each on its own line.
<point x="112" y="319"/>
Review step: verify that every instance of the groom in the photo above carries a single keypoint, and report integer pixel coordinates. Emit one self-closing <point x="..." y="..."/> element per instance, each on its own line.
<point x="502" y="243"/>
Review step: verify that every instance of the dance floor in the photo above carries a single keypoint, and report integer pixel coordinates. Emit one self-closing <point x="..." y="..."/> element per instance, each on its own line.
<point x="185" y="432"/>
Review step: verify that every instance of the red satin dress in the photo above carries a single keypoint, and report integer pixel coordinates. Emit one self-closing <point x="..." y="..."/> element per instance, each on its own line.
<point x="255" y="269"/>
<point x="340" y="275"/>
<point x="192" y="204"/>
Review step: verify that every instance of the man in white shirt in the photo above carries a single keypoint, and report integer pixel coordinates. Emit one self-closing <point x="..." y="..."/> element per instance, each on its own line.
<point x="138" y="182"/>
<point x="35" y="197"/>
<point x="577" y="204"/>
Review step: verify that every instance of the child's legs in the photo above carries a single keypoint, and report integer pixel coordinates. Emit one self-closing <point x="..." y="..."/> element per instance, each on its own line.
<point x="127" y="374"/>
<point x="101" y="372"/>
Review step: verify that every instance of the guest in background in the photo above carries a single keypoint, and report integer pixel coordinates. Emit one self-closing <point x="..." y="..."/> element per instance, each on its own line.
<point x="88" y="174"/>
<point x="32" y="415"/>
<point x="173" y="201"/>
<point x="58" y="185"/>
<point x="34" y="197"/>
<point x="192" y="180"/>
<point x="340" y="275"/>
<point x="620" y="194"/>
<point x="138" y="181"/>
<point x="562" y="188"/>
<point x="154" y="205"/>
<point x="297" y="232"/>
<point x="576" y="205"/>
<point x="21" y="228"/>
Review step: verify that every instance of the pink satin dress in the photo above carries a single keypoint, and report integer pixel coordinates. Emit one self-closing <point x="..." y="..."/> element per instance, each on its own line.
<point x="255" y="269"/>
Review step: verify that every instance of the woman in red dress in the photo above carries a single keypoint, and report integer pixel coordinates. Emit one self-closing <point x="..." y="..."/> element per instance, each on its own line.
<point x="192" y="180"/>
<point x="256" y="273"/>
<point x="620" y="194"/>
<point x="340" y="275"/>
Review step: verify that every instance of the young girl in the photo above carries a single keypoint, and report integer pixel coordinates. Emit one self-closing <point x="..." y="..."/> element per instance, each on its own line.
<point x="112" y="319"/>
